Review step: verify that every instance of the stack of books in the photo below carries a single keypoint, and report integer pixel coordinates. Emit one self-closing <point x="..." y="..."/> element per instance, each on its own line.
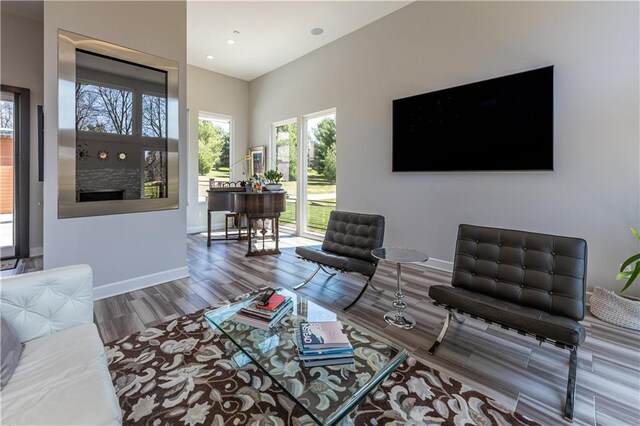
<point x="323" y="343"/>
<point x="265" y="316"/>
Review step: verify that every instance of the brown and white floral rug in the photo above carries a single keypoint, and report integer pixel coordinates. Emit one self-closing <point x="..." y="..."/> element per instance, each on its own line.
<point x="181" y="373"/>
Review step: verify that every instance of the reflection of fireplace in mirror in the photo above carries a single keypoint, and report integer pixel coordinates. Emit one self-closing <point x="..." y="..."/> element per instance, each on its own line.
<point x="101" y="195"/>
<point x="121" y="107"/>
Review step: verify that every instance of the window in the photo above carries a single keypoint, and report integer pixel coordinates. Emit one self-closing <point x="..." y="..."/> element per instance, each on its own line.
<point x="103" y="109"/>
<point x="214" y="144"/>
<point x="154" y="116"/>
<point x="155" y="174"/>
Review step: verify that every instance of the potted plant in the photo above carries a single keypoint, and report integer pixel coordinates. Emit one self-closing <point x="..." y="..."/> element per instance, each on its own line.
<point x="618" y="309"/>
<point x="252" y="182"/>
<point x="273" y="178"/>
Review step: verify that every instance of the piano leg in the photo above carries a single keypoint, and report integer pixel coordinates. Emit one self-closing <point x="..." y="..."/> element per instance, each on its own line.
<point x="250" y="237"/>
<point x="249" y="233"/>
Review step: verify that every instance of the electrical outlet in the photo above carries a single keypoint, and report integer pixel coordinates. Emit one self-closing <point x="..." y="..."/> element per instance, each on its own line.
<point x="200" y="214"/>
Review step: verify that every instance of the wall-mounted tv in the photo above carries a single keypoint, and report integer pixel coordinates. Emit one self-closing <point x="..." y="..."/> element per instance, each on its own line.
<point x="504" y="123"/>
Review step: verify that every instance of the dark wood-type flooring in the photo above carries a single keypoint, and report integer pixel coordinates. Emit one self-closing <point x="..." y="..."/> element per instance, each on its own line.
<point x="516" y="371"/>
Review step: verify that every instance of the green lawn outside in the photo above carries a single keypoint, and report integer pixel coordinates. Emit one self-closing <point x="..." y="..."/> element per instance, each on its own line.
<point x="318" y="215"/>
<point x="221" y="174"/>
<point x="203" y="181"/>
<point x="318" y="209"/>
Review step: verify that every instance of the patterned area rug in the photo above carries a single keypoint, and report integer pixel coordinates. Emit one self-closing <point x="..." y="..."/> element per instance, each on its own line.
<point x="181" y="373"/>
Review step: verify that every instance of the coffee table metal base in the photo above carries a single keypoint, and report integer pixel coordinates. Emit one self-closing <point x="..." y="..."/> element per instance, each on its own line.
<point x="400" y="319"/>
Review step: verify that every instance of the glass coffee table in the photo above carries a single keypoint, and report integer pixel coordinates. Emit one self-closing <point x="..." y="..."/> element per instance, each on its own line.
<point x="327" y="394"/>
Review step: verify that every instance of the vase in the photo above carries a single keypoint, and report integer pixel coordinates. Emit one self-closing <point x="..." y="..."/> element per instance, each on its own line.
<point x="615" y="309"/>
<point x="274" y="186"/>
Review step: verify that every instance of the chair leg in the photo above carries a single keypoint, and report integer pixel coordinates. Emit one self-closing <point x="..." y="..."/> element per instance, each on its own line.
<point x="571" y="384"/>
<point x="331" y="274"/>
<point x="302" y="284"/>
<point x="359" y="295"/>
<point x="445" y="327"/>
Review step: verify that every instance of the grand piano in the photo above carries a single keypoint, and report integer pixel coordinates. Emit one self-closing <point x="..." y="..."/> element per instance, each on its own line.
<point x="255" y="206"/>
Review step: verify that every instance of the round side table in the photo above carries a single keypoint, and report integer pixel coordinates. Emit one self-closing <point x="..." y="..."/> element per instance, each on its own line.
<point x="397" y="316"/>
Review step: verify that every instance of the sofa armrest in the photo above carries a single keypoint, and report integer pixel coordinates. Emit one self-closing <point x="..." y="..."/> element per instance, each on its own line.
<point x="43" y="302"/>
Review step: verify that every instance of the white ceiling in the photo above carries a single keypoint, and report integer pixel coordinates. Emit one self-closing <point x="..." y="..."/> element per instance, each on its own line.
<point x="271" y="34"/>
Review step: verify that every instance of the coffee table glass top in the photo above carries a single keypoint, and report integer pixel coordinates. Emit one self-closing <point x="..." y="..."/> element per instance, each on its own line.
<point x="326" y="393"/>
<point x="399" y="255"/>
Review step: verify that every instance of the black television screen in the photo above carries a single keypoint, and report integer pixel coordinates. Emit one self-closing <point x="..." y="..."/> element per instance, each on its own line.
<point x="504" y="123"/>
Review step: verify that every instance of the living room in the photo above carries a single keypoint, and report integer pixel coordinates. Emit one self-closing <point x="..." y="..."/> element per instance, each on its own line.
<point x="392" y="51"/>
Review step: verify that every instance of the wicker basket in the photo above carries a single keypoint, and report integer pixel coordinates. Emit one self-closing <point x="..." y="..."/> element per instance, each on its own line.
<point x="615" y="309"/>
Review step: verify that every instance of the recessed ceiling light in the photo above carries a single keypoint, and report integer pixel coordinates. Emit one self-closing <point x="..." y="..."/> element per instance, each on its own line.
<point x="317" y="31"/>
<point x="209" y="56"/>
<point x="231" y="41"/>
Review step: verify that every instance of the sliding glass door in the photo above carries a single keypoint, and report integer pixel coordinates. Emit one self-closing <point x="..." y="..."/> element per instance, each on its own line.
<point x="7" y="172"/>
<point x="306" y="157"/>
<point x="14" y="172"/>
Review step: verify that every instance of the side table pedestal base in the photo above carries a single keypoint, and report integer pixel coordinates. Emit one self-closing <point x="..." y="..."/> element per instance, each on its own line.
<point x="400" y="319"/>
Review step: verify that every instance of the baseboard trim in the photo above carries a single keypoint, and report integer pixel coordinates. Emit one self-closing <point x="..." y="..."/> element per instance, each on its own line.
<point x="139" y="283"/>
<point x="219" y="226"/>
<point x="441" y="265"/>
<point x="35" y="251"/>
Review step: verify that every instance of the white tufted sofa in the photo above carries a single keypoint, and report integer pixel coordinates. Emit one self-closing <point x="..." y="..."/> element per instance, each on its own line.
<point x="62" y="376"/>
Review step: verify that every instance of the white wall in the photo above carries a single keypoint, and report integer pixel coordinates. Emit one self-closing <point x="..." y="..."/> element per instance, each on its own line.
<point x="22" y="55"/>
<point x="126" y="250"/>
<point x="593" y="192"/>
<point x="208" y="91"/>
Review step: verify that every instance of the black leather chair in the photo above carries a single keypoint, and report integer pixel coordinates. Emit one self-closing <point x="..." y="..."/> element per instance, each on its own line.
<point x="532" y="283"/>
<point x="347" y="246"/>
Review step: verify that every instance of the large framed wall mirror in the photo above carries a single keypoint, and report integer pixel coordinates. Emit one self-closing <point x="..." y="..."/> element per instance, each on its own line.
<point x="118" y="129"/>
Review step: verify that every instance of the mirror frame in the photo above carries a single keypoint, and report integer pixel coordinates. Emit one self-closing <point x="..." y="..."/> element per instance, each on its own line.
<point x="68" y="207"/>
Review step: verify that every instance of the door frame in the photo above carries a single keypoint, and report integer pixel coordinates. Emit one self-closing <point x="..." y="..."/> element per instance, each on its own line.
<point x="22" y="145"/>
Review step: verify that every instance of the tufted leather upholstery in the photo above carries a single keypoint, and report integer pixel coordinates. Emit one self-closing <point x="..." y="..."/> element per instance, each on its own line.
<point x="354" y="235"/>
<point x="545" y="272"/>
<point x="531" y="282"/>
<point x="348" y="242"/>
<point x="40" y="303"/>
<point x="341" y="263"/>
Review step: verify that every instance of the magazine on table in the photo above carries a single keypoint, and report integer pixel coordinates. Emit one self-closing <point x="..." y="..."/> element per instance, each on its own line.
<point x="323" y="335"/>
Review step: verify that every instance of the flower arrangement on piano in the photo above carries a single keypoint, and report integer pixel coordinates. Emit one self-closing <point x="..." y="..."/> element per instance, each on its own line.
<point x="254" y="184"/>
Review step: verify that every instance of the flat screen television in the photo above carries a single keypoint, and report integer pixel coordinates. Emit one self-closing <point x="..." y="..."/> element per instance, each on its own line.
<point x="504" y="123"/>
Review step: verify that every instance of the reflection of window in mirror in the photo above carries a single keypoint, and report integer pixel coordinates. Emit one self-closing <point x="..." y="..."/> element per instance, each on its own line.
<point x="121" y="107"/>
